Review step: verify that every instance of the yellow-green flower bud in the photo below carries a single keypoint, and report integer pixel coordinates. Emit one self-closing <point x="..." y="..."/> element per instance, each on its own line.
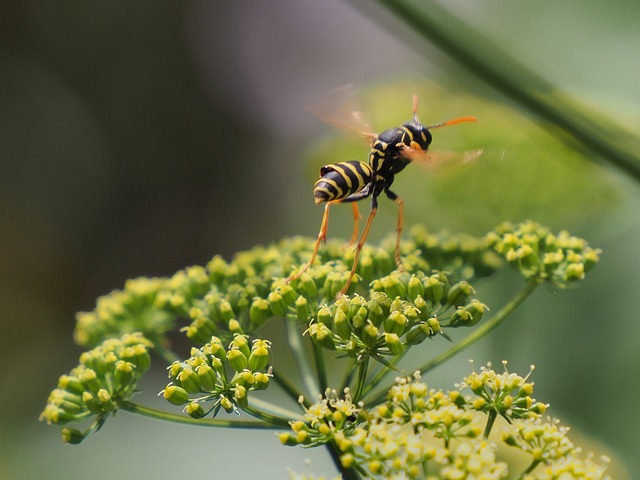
<point x="241" y="342"/>
<point x="376" y="315"/>
<point x="341" y="325"/>
<point x="394" y="287"/>
<point x="259" y="358"/>
<point x="217" y="268"/>
<point x="189" y="380"/>
<point x="123" y="374"/>
<point x="434" y="325"/>
<point x="333" y="284"/>
<point x="234" y="326"/>
<point x="208" y="377"/>
<point x="460" y="293"/>
<point x="574" y="271"/>
<point x="396" y="323"/>
<point x="105" y="400"/>
<point x="302" y="309"/>
<point x="215" y="348"/>
<point x="324" y="316"/>
<point x="240" y="396"/>
<point x="433" y="288"/>
<point x="139" y="356"/>
<point x="224" y="310"/>
<point x="307" y="287"/>
<point x="288" y="439"/>
<point x="322" y="335"/>
<point x="476" y="309"/>
<point x="393" y="342"/>
<point x="460" y="317"/>
<point x="72" y="436"/>
<point x="244" y="378"/>
<point x="90" y="380"/>
<point x="370" y="334"/>
<point x="227" y="404"/>
<point x="237" y="359"/>
<point x="92" y="403"/>
<point x="194" y="410"/>
<point x="288" y="294"/>
<point x="259" y="312"/>
<point x="277" y="304"/>
<point x="417" y="334"/>
<point x="415" y="288"/>
<point x="260" y="380"/>
<point x="71" y="384"/>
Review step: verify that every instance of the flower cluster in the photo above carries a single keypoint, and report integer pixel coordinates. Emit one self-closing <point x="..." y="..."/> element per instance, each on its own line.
<point x="420" y="432"/>
<point x="506" y="394"/>
<point x="132" y="309"/>
<point x="224" y="298"/>
<point x="539" y="254"/>
<point x="331" y="419"/>
<point x="401" y="310"/>
<point x="218" y="376"/>
<point x="105" y="377"/>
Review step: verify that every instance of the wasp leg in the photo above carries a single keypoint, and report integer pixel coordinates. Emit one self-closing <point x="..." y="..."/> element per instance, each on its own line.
<point x="361" y="242"/>
<point x="399" y="226"/>
<point x="356" y="221"/>
<point x="322" y="237"/>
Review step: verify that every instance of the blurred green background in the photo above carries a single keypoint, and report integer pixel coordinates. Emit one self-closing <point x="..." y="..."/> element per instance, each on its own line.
<point x="137" y="138"/>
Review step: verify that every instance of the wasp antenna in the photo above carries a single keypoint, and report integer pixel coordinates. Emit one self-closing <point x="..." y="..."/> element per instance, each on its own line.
<point x="453" y="122"/>
<point x="415" y="108"/>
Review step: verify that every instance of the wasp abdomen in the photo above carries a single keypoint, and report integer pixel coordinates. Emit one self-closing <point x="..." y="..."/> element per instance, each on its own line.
<point x="339" y="180"/>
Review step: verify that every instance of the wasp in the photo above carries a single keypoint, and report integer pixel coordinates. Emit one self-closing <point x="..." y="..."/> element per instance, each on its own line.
<point x="353" y="180"/>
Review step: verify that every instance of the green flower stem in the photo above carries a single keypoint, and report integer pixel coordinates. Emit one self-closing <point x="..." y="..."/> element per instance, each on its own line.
<point x="477" y="334"/>
<point x="363" y="367"/>
<point x="321" y="368"/>
<point x="275" y="409"/>
<point x="274" y="420"/>
<point x="172" y="417"/>
<point x="382" y="372"/>
<point x="494" y="65"/>
<point x="482" y="331"/>
<point x="529" y="469"/>
<point x="308" y="378"/>
<point x="490" y="421"/>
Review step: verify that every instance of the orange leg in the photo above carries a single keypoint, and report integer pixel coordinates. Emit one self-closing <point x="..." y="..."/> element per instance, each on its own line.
<point x="400" y="203"/>
<point x="356" y="220"/>
<point x="361" y="242"/>
<point x="322" y="237"/>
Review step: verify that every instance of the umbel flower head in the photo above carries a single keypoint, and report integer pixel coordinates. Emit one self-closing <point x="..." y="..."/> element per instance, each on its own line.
<point x="106" y="376"/>
<point x="542" y="255"/>
<point x="425" y="433"/>
<point x="219" y="377"/>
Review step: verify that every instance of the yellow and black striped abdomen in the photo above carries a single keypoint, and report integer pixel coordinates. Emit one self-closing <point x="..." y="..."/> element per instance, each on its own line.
<point x="339" y="180"/>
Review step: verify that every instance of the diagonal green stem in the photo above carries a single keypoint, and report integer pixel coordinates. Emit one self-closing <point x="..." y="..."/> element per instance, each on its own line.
<point x="483" y="330"/>
<point x="172" y="417"/>
<point x="363" y="367"/>
<point x="321" y="368"/>
<point x="472" y="338"/>
<point x="494" y="65"/>
<point x="274" y="420"/>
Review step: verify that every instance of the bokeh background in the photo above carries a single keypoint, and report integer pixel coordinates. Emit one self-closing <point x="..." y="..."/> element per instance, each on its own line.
<point x="140" y="137"/>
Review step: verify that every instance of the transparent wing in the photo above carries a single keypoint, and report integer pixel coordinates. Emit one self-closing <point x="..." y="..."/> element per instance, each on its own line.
<point x="341" y="108"/>
<point x="441" y="158"/>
